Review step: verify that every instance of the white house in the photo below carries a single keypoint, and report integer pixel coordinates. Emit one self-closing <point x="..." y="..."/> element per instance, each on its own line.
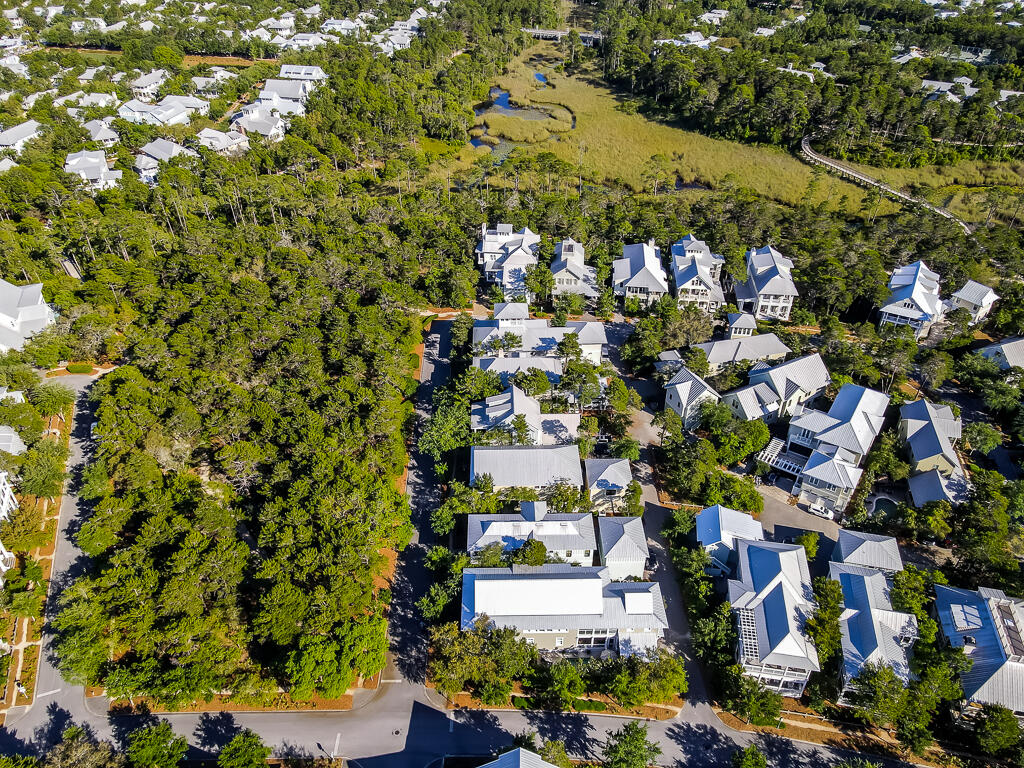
<point x="101" y="132"/>
<point x="224" y="143"/>
<point x="505" y="255"/>
<point x="261" y="122"/>
<point x="913" y="299"/>
<point x="11" y="442"/>
<point x="145" y="86"/>
<point x="303" y="72"/>
<point x="158" y="151"/>
<point x="568" y="536"/>
<point x="775" y="391"/>
<point x="563" y="607"/>
<point x="743" y="348"/>
<point x="623" y="546"/>
<point x="1008" y="353"/>
<point x="976" y="298"/>
<point x="541" y="467"/>
<point x="639" y="274"/>
<point x="868" y="550"/>
<point x="8" y="503"/>
<point x="17" y="137"/>
<point x="500" y="412"/>
<point x="772" y="600"/>
<point x="742" y="325"/>
<point x="23" y="312"/>
<point x="718" y="530"/>
<point x="769" y="291"/>
<point x="607" y="481"/>
<point x="685" y="393"/>
<point x="93" y="169"/>
<point x="535" y="336"/>
<point x="697" y="273"/>
<point x="570" y="272"/>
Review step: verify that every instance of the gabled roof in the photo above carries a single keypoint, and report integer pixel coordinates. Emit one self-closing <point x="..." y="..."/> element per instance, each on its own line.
<point x="743" y="321"/>
<point x="859" y="413"/>
<point x="533" y="522"/>
<point x="640" y="267"/>
<point x="806" y="374"/>
<point x="512" y="310"/>
<point x="872" y="632"/>
<point x="1012" y="350"/>
<point x="744" y="348"/>
<point x="529" y="466"/>
<point x="918" y="285"/>
<point x="518" y="758"/>
<point x="689" y="387"/>
<point x="769" y="272"/>
<point x="510" y="365"/>
<point x="499" y="411"/>
<point x="604" y="474"/>
<point x="931" y="430"/>
<point x="870" y="550"/>
<point x="19" y="132"/>
<point x="828" y="469"/>
<point x="976" y="293"/>
<point x="934" y="486"/>
<point x="722" y="525"/>
<point x="755" y="401"/>
<point x="623" y="539"/>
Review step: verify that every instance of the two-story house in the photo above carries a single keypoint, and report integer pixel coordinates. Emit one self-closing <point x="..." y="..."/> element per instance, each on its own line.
<point x="977" y="299"/>
<point x="535" y="337"/>
<point x="697" y="273"/>
<point x="23" y="312"/>
<point x="505" y="254"/>
<point x="768" y="292"/>
<point x="718" y="529"/>
<point x="540" y="467"/>
<point x="775" y="391"/>
<point x="639" y="274"/>
<point x="936" y="474"/>
<point x="570" y="537"/>
<point x="570" y="273"/>
<point x="607" y="482"/>
<point x="685" y="393"/>
<point x="913" y="299"/>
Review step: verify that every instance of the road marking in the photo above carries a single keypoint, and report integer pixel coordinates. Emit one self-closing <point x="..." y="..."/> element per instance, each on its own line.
<point x="451" y="721"/>
<point x="396" y="680"/>
<point x="49" y="693"/>
<point x="337" y="745"/>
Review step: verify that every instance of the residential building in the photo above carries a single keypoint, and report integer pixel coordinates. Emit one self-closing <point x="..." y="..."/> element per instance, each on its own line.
<point x="1008" y="353"/>
<point x="501" y="412"/>
<point x="775" y="391"/>
<point x="913" y="299"/>
<point x="518" y="758"/>
<point x="976" y="299"/>
<point x="172" y="110"/>
<point x="8" y="502"/>
<point x="145" y="87"/>
<point x="623" y="546"/>
<point x="93" y="169"/>
<point x="934" y="486"/>
<point x="607" y="481"/>
<point x="17" y="137"/>
<point x="988" y="626"/>
<point x="563" y="607"/>
<point x="541" y="467"/>
<point x="571" y="274"/>
<point x="568" y="536"/>
<point x="261" y="122"/>
<point x="718" y="530"/>
<point x="11" y="442"/>
<point x="303" y="72"/>
<point x="639" y="274"/>
<point x="772" y="600"/>
<point x="535" y="337"/>
<point x="868" y="550"/>
<point x="761" y="347"/>
<point x="229" y="143"/>
<point x="769" y="291"/>
<point x="23" y="312"/>
<point x="147" y="162"/>
<point x="505" y="255"/>
<point x="685" y="393"/>
<point x="931" y="432"/>
<point x="211" y="85"/>
<point x="101" y="132"/>
<point x="825" y="450"/>
<point x="697" y="273"/>
<point x="872" y="632"/>
<point x="742" y="325"/>
<point x="508" y="367"/>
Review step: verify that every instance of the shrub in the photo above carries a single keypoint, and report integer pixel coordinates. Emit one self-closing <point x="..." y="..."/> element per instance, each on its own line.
<point x="79" y="367"/>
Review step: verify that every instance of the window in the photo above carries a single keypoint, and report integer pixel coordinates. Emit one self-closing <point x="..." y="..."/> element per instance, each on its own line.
<point x="530" y="641"/>
<point x="586" y="553"/>
<point x="559" y="641"/>
<point x="568" y="553"/>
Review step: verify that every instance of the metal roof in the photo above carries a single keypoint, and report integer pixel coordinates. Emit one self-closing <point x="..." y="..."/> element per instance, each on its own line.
<point x="976" y="293"/>
<point x="559" y="532"/>
<point x="754" y="347"/>
<point x="519" y="758"/>
<point x="623" y="539"/>
<point x="604" y="474"/>
<point x="528" y="466"/>
<point x="931" y="430"/>
<point x="870" y="550"/>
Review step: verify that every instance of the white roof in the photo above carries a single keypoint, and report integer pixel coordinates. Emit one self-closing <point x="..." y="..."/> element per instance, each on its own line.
<point x="20" y="132"/>
<point x="852" y="423"/>
<point x="623" y="539"/>
<point x="768" y="272"/>
<point x="640" y="267"/>
<point x="806" y="374"/>
<point x="870" y="550"/>
<point x="11" y="442"/>
<point x="831" y="470"/>
<point x="529" y="466"/>
<point x="499" y="411"/>
<point x="156" y="77"/>
<point x="302" y="72"/>
<point x="163" y="150"/>
<point x="1011" y="350"/>
<point x="917" y="286"/>
<point x="755" y="347"/>
<point x="509" y="365"/>
<point x="604" y="474"/>
<point x="689" y="387"/>
<point x="976" y="293"/>
<point x="519" y="758"/>
<point x="556" y="531"/>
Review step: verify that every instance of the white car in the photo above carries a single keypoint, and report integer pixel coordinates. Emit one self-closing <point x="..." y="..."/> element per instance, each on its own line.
<point x="819" y="509"/>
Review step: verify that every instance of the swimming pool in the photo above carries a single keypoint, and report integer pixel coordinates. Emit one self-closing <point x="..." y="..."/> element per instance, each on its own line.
<point x="884" y="506"/>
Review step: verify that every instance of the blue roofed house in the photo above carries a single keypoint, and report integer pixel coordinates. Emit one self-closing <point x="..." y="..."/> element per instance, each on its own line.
<point x="772" y="600"/>
<point x="988" y="626"/>
<point x="913" y="299"/>
<point x="868" y="550"/>
<point x="697" y="274"/>
<point x="718" y="530"/>
<point x="639" y="274"/>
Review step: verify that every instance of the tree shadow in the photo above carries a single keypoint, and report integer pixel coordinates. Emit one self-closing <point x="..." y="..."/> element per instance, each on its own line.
<point x="779" y="750"/>
<point x="700" y="744"/>
<point x="122" y="726"/>
<point x="574" y="730"/>
<point x="214" y="730"/>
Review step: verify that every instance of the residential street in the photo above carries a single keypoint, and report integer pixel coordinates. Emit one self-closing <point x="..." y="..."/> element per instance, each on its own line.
<point x="402" y="724"/>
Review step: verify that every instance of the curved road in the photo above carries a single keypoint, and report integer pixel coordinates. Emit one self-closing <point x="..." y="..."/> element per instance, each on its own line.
<point x="402" y="724"/>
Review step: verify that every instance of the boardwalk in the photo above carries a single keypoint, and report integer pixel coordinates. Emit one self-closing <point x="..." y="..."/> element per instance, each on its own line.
<point x="587" y="38"/>
<point x="844" y="170"/>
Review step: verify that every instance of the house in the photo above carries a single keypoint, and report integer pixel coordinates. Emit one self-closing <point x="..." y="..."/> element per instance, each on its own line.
<point x="639" y="274"/>
<point x="261" y="122"/>
<point x="715" y="17"/>
<point x="760" y="347"/>
<point x="304" y="72"/>
<point x="518" y="758"/>
<point x="623" y="546"/>
<point x="775" y="391"/>
<point x="718" y="530"/>
<point x="868" y="550"/>
<point x="8" y="503"/>
<point x="230" y="143"/>
<point x="742" y="325"/>
<point x="101" y="132"/>
<point x="211" y="86"/>
<point x="988" y="626"/>
<point x="871" y="631"/>
<point x="145" y="87"/>
<point x="541" y="467"/>
<point x="23" y="312"/>
<point x="769" y="291"/>
<point x="342" y="26"/>
<point x="535" y="337"/>
<point x="772" y="600"/>
<point x="825" y="450"/>
<point x="501" y="412"/>
<point x="571" y="274"/>
<point x="505" y="255"/>
<point x="930" y="431"/>
<point x="568" y="536"/>
<point x="562" y="607"/>
<point x="172" y="110"/>
<point x="17" y="137"/>
<point x="194" y="105"/>
<point x="976" y="298"/>
<point x="607" y="481"/>
<point x="508" y="367"/>
<point x="913" y="299"/>
<point x="93" y="169"/>
<point x="158" y="151"/>
<point x="697" y="274"/>
<point x="685" y="393"/>
<point x="11" y="442"/>
<point x="1008" y="353"/>
<point x="934" y="486"/>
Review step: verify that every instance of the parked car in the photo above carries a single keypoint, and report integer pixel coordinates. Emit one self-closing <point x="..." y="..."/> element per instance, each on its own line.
<point x="819" y="509"/>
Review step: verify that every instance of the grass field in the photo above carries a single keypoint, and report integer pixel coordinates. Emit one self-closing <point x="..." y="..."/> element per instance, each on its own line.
<point x="618" y="146"/>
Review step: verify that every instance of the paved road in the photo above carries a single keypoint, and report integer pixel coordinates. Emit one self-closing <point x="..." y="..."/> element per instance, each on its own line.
<point x="402" y="724"/>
